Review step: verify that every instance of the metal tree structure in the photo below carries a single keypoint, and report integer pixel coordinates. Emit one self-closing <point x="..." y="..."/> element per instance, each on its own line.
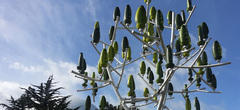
<point x="166" y="59"/>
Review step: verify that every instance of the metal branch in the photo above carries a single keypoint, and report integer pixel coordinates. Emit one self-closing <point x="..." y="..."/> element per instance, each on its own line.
<point x="86" y="77"/>
<point x="134" y="60"/>
<point x="132" y="32"/>
<point x="128" y="27"/>
<point x="147" y="82"/>
<point x="114" y="69"/>
<point x="187" y="60"/>
<point x="151" y="37"/>
<point x="115" y="30"/>
<point x="205" y="66"/>
<point x="162" y="100"/>
<point x="121" y="75"/>
<point x="168" y="27"/>
<point x="161" y="41"/>
<point x="142" y="105"/>
<point x="207" y="84"/>
<point x="188" y="50"/>
<point x="201" y="51"/>
<point x="94" y="88"/>
<point x="191" y="83"/>
<point x="104" y="43"/>
<point x="150" y="62"/>
<point x="115" y="88"/>
<point x="190" y="15"/>
<point x="172" y="31"/>
<point x="95" y="48"/>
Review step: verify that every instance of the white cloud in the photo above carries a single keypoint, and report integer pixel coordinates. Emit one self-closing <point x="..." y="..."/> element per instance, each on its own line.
<point x="8" y="89"/>
<point x="24" y="68"/>
<point x="60" y="70"/>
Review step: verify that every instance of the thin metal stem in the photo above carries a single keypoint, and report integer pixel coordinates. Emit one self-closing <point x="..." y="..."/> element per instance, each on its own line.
<point x="140" y="39"/>
<point x="121" y="75"/>
<point x="115" y="88"/>
<point x="115" y="30"/>
<point x="201" y="51"/>
<point x="149" y="61"/>
<point x="95" y="48"/>
<point x="142" y="105"/>
<point x="133" y="60"/>
<point x="147" y="82"/>
<point x="94" y="88"/>
<point x="188" y="50"/>
<point x="161" y="41"/>
<point x="78" y="75"/>
<point x="172" y="30"/>
<point x="190" y="15"/>
<point x="205" y="66"/>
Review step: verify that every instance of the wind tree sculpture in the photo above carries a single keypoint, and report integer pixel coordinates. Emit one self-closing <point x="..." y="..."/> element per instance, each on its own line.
<point x="166" y="59"/>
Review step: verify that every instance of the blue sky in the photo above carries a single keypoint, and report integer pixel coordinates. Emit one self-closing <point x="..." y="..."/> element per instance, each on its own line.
<point x="39" y="38"/>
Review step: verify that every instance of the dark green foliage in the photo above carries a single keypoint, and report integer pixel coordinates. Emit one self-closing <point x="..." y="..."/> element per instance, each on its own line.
<point x="217" y="51"/>
<point x="148" y="71"/>
<point x="185" y="39"/>
<point x="155" y="57"/>
<point x="213" y="82"/>
<point x="189" y="5"/>
<point x="152" y="13"/>
<point x="82" y="66"/>
<point x="142" y="68"/>
<point x="170" y="89"/>
<point x="197" y="104"/>
<point x="178" y="45"/>
<point x="209" y="74"/>
<point x="146" y="92"/>
<point x="169" y="17"/>
<point x="105" y="74"/>
<point x="140" y="17"/>
<point x="88" y="103"/>
<point x="103" y="103"/>
<point x="190" y="79"/>
<point x="198" y="84"/>
<point x="110" y="53"/>
<point x="131" y="86"/>
<point x="103" y="58"/>
<point x="183" y="16"/>
<point x="188" y="103"/>
<point x="159" y="20"/>
<point x="115" y="47"/>
<point x="85" y="81"/>
<point x="179" y="21"/>
<point x="204" y="58"/>
<point x="96" y="33"/>
<point x="169" y="57"/>
<point x="111" y="33"/>
<point x="160" y="57"/>
<point x="127" y="15"/>
<point x="150" y="77"/>
<point x="94" y="91"/>
<point x="116" y="14"/>
<point x="205" y="31"/>
<point x="159" y="72"/>
<point x="200" y="36"/>
<point x="43" y="97"/>
<point x="125" y="44"/>
<point x="92" y="81"/>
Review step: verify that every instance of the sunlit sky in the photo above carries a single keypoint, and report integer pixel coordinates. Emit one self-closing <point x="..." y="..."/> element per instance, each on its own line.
<point x="39" y="38"/>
